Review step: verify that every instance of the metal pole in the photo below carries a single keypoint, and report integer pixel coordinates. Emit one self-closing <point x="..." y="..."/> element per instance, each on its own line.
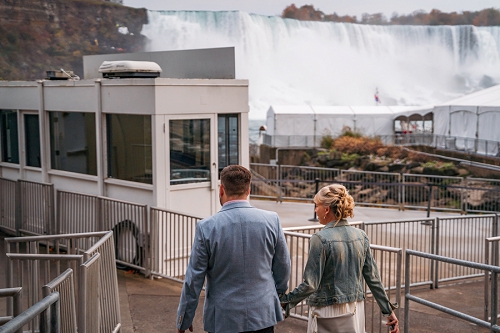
<point x="429" y="201"/>
<point x="407" y="292"/>
<point x="314" y="219"/>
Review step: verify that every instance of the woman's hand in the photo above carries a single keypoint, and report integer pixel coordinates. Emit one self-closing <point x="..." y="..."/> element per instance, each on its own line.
<point x="393" y="323"/>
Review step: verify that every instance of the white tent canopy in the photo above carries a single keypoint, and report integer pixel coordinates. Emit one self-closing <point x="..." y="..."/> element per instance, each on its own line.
<point x="316" y="121"/>
<point x="476" y="115"/>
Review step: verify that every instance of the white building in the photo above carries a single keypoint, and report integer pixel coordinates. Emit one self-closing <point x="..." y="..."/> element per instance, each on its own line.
<point x="155" y="141"/>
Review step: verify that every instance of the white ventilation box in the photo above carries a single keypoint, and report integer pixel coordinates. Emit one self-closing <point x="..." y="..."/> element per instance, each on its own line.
<point x="129" y="69"/>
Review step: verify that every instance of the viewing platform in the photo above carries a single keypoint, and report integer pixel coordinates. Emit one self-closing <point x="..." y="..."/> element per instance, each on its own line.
<point x="150" y="305"/>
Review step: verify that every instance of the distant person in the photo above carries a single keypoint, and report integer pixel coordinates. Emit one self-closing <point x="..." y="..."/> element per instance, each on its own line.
<point x="339" y="257"/>
<point x="242" y="253"/>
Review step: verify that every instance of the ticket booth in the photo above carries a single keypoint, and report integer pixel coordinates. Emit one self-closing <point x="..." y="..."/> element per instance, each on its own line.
<point x="158" y="141"/>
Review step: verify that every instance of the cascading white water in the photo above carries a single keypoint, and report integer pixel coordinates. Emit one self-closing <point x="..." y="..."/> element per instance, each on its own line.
<point x="291" y="62"/>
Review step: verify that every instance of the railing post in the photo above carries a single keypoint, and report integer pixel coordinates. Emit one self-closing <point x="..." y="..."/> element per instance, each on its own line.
<point x="19" y="209"/>
<point x="314" y="219"/>
<point x="407" y="292"/>
<point x="494" y="299"/>
<point x="145" y="242"/>
<point x="429" y="200"/>
<point x="436" y="251"/>
<point x="486" y="278"/>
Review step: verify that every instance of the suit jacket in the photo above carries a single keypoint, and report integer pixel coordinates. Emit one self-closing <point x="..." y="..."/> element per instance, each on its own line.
<point x="242" y="252"/>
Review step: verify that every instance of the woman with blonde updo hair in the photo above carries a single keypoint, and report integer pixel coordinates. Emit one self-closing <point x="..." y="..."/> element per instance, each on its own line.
<point x="339" y="260"/>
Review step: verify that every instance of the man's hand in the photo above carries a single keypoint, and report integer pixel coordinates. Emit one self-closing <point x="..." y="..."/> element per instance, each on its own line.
<point x="182" y="331"/>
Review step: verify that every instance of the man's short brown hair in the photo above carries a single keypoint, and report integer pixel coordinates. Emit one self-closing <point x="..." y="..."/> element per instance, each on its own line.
<point x="236" y="180"/>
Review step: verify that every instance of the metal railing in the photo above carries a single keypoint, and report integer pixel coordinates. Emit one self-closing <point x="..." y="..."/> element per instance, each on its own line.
<point x="90" y="254"/>
<point x="64" y="285"/>
<point x="494" y="270"/>
<point x="82" y="213"/>
<point x="50" y="317"/>
<point x="491" y="257"/>
<point x="457" y="143"/>
<point x="8" y="205"/>
<point x="17" y="297"/>
<point x="109" y="300"/>
<point x="416" y="234"/>
<point x="462" y="237"/>
<point x="90" y="295"/>
<point x="36" y="208"/>
<point x="389" y="261"/>
<point x="172" y="236"/>
<point x="28" y="271"/>
<point x="379" y="189"/>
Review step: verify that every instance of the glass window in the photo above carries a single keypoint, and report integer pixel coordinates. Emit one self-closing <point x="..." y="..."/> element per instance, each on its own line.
<point x="129" y="147"/>
<point x="189" y="151"/>
<point x="73" y="142"/>
<point x="9" y="138"/>
<point x="32" y="133"/>
<point x="228" y="140"/>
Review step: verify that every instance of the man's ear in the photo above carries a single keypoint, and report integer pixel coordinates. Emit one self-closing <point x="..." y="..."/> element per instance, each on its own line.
<point x="248" y="193"/>
<point x="221" y="190"/>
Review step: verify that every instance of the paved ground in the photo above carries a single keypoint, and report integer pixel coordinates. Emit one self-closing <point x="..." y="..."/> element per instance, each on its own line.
<point x="151" y="305"/>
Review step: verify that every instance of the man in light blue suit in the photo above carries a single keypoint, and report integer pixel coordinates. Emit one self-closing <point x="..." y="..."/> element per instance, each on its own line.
<point x="242" y="252"/>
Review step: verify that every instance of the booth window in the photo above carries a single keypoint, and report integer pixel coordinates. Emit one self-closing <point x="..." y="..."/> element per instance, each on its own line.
<point x="32" y="136"/>
<point x="189" y="151"/>
<point x="129" y="147"/>
<point x="228" y="140"/>
<point x="73" y="142"/>
<point x="9" y="138"/>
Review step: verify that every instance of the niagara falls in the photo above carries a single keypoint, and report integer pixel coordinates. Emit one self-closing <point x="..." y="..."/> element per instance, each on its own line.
<point x="290" y="62"/>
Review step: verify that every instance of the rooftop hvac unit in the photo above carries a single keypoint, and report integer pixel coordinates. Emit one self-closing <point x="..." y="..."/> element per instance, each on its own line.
<point x="61" y="74"/>
<point x="129" y="69"/>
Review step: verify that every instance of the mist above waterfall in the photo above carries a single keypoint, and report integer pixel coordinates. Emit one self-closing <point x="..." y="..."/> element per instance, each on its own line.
<point x="289" y="62"/>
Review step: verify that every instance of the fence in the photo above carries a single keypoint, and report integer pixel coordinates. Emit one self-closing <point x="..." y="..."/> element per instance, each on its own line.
<point x="491" y="257"/>
<point x="16" y="294"/>
<point x="49" y="311"/>
<point x="82" y="213"/>
<point x="8" y="205"/>
<point x="379" y="189"/>
<point x="494" y="270"/>
<point x="64" y="285"/>
<point x="95" y="266"/>
<point x="389" y="261"/>
<point x="171" y="243"/>
<point x="470" y="145"/>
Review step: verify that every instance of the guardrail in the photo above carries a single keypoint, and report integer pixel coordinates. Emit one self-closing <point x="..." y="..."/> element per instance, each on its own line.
<point x="172" y="236"/>
<point x="493" y="270"/>
<point x="8" y="206"/>
<point x="389" y="261"/>
<point x="378" y="189"/>
<point x="17" y="297"/>
<point x="50" y="316"/>
<point x="64" y="285"/>
<point x="36" y="208"/>
<point x="456" y="143"/>
<point x="491" y="257"/>
<point x="80" y="252"/>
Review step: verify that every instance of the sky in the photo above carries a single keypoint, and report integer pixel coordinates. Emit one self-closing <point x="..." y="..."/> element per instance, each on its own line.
<point x="341" y="7"/>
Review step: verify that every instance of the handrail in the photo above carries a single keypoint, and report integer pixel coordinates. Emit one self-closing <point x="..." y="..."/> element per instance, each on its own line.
<point x="409" y="297"/>
<point x="51" y="320"/>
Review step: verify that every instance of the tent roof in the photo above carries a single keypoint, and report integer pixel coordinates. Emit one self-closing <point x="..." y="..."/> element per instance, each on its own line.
<point x="393" y="111"/>
<point x="486" y="97"/>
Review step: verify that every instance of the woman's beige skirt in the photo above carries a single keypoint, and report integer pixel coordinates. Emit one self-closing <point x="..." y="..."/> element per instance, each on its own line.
<point x="337" y="310"/>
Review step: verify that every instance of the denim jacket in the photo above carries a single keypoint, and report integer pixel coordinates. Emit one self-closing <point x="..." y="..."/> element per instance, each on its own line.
<point x="338" y="254"/>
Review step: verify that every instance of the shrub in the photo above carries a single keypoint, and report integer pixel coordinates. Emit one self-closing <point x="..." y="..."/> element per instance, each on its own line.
<point x="357" y="145"/>
<point x="326" y="141"/>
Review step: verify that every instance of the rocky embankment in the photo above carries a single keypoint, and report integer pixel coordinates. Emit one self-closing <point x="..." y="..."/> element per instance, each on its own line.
<point x="41" y="35"/>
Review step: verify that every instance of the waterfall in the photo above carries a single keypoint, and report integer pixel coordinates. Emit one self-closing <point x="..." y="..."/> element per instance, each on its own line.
<point x="290" y="62"/>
